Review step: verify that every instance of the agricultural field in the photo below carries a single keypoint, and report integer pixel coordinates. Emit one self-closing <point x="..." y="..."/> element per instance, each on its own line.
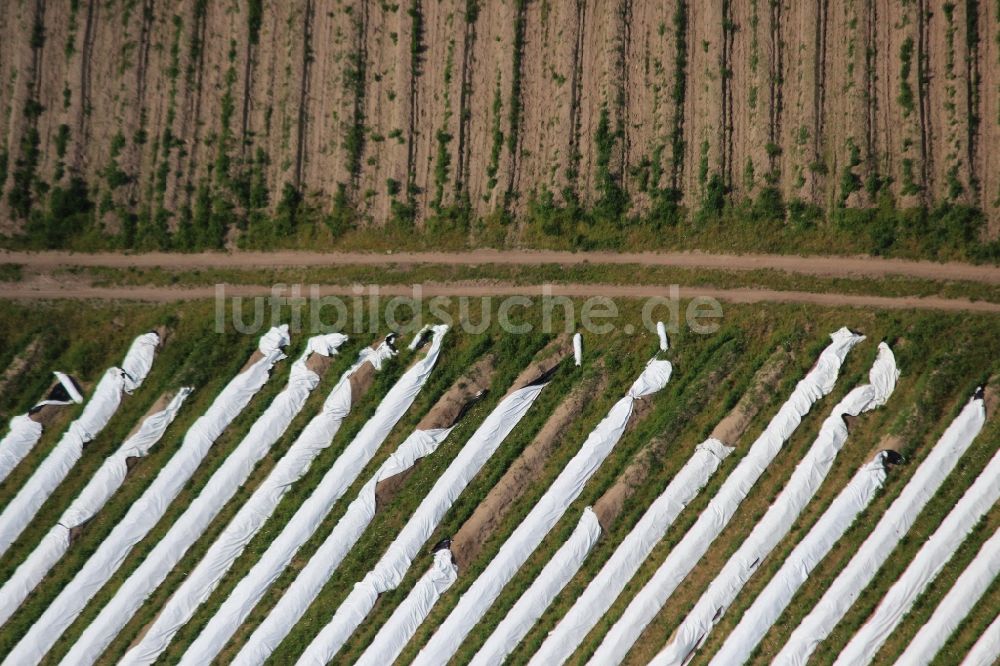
<point x="491" y="332"/>
<point x="766" y="125"/>
<point x="728" y="386"/>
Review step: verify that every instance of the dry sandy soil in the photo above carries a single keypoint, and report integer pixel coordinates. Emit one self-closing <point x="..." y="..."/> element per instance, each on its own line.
<point x="808" y="265"/>
<point x="491" y="102"/>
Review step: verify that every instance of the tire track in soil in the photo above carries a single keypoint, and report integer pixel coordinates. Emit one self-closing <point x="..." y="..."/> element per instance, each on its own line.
<point x="515" y="141"/>
<point x="192" y="107"/>
<point x="870" y="45"/>
<point x="461" y="179"/>
<point x="303" y="113"/>
<point x="726" y="73"/>
<point x="360" y="90"/>
<point x="135" y="150"/>
<point x="416" y="51"/>
<point x="776" y="85"/>
<point x="923" y="79"/>
<point x="827" y="266"/>
<point x="624" y="88"/>
<point x="574" y="153"/>
<point x="249" y="56"/>
<point x="819" y="89"/>
<point x="973" y="97"/>
<point x="75" y="290"/>
<point x="82" y="132"/>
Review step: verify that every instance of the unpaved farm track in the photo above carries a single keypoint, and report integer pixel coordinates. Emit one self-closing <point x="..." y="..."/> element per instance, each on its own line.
<point x="820" y="266"/>
<point x="49" y="290"/>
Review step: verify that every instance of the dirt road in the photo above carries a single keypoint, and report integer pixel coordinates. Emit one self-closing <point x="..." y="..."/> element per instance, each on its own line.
<point x="51" y="290"/>
<point x="822" y="266"/>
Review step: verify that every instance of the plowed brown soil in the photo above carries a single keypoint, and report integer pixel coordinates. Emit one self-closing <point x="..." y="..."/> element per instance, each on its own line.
<point x="427" y="103"/>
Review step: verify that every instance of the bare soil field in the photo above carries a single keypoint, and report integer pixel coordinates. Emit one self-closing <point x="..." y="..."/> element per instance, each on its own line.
<point x="159" y="107"/>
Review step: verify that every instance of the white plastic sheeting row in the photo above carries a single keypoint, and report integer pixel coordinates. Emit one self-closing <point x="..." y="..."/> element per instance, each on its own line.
<point x="794" y="572"/>
<point x="25" y="432"/>
<point x="143" y="515"/>
<point x="388" y="573"/>
<point x="310" y="581"/>
<point x="956" y="605"/>
<point x="986" y="651"/>
<point x="893" y="525"/>
<point x="220" y="488"/>
<point x="403" y="623"/>
<point x="602" y="591"/>
<point x="228" y="546"/>
<point x="96" y="413"/>
<point x="651" y="598"/>
<point x="105" y="482"/>
<point x="543" y="516"/>
<point x="311" y="513"/>
<point x="809" y="474"/>
<point x="550" y="581"/>
<point x="925" y="566"/>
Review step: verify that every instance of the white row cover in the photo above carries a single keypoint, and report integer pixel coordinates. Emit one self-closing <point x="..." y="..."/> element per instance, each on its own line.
<point x="105" y="482"/>
<point x="317" y="572"/>
<point x="956" y="605"/>
<point x="220" y="488"/>
<point x="794" y="572"/>
<point x="686" y="554"/>
<point x="396" y="561"/>
<point x="96" y="413"/>
<point x="925" y="566"/>
<point x="70" y="387"/>
<point x="148" y="509"/>
<point x="986" y="651"/>
<point x="24" y="432"/>
<point x="602" y="591"/>
<point x="138" y="360"/>
<point x="200" y="583"/>
<point x="893" y="525"/>
<point x="550" y="581"/>
<point x="809" y="474"/>
<point x="543" y="516"/>
<point x="311" y="513"/>
<point x="410" y="614"/>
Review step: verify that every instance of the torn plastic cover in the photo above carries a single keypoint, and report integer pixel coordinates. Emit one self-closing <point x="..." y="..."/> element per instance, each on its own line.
<point x="96" y="414"/>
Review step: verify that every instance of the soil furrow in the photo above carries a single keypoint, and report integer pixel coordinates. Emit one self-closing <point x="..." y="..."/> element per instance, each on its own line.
<point x="307" y="59"/>
<point x="86" y="59"/>
<point x="471" y="15"/>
